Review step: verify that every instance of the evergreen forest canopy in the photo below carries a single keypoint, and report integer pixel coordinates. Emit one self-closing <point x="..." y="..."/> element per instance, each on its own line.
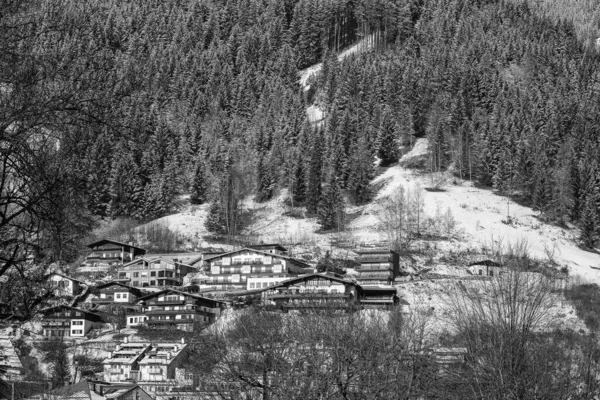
<point x="122" y="105"/>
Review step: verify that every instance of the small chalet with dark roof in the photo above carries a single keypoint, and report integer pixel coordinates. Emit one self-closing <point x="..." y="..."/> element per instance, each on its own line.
<point x="313" y="291"/>
<point x="109" y="253"/>
<point x="485" y="268"/>
<point x="231" y="271"/>
<point x="272" y="248"/>
<point x="116" y="292"/>
<point x="174" y="308"/>
<point x="68" y="321"/>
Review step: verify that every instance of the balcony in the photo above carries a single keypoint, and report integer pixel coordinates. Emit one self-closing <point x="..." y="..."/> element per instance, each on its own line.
<point x="106" y="259"/>
<point x="169" y="302"/>
<point x="106" y="300"/>
<point x="171" y="312"/>
<point x="307" y="296"/>
<point x="169" y="321"/>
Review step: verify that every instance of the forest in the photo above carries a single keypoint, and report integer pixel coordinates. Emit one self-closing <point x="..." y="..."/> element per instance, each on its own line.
<point x="114" y="108"/>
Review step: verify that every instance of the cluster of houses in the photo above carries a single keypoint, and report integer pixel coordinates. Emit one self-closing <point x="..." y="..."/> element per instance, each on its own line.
<point x="189" y="291"/>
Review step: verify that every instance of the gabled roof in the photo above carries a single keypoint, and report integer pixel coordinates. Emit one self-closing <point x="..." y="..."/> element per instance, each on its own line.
<point x="104" y="241"/>
<point x="374" y="251"/>
<point x="107" y="284"/>
<point x="305" y="278"/>
<point x="62" y="306"/>
<point x="68" y="277"/>
<point x="79" y="390"/>
<point x="268" y="246"/>
<point x="488" y="263"/>
<point x="195" y="296"/>
<point x="153" y="259"/>
<point x="259" y="252"/>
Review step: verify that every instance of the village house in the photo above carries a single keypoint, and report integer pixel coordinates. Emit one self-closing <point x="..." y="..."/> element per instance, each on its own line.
<point x="65" y="321"/>
<point x="174" y="308"/>
<point x="123" y="363"/>
<point x="11" y="368"/>
<point x="116" y="292"/>
<point x="106" y="253"/>
<point x="313" y="291"/>
<point x="154" y="272"/>
<point x="231" y="271"/>
<point x="193" y="259"/>
<point x="63" y="285"/>
<point x="377" y="266"/>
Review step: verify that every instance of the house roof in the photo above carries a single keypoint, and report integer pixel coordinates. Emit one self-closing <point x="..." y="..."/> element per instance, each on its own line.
<point x="268" y="246"/>
<point x="259" y="252"/>
<point x="79" y="390"/>
<point x="92" y="315"/>
<point x="104" y="241"/>
<point x="308" y="277"/>
<point x="195" y="296"/>
<point x="103" y="285"/>
<point x="488" y="263"/>
<point x="152" y="259"/>
<point x="68" y="277"/>
<point x="373" y="251"/>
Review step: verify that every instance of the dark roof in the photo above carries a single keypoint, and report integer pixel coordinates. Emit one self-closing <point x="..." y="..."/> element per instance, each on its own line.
<point x="103" y="285"/>
<point x="76" y="391"/>
<point x="379" y="290"/>
<point x="268" y="246"/>
<point x="103" y="241"/>
<point x="293" y="260"/>
<point x="488" y="263"/>
<point x="68" y="277"/>
<point x="51" y="310"/>
<point x="195" y="296"/>
<point x="373" y="251"/>
<point x="304" y="278"/>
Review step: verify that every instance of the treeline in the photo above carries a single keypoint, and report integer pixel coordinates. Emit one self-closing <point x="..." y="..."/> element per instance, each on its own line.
<point x="499" y="343"/>
<point x="140" y="101"/>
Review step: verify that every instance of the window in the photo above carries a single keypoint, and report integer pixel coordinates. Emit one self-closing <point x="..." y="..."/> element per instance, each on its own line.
<point x="118" y="295"/>
<point x="136" y="274"/>
<point x="77" y="332"/>
<point x="152" y="283"/>
<point x="152" y="273"/>
<point x="77" y="322"/>
<point x="135" y="283"/>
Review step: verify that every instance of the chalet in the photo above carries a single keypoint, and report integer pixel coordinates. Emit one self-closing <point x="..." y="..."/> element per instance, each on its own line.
<point x="230" y="271"/>
<point x="193" y="259"/>
<point x="314" y="291"/>
<point x="109" y="253"/>
<point x="116" y="292"/>
<point x="485" y="268"/>
<point x="89" y="390"/>
<point x="377" y="266"/>
<point x="68" y="321"/>
<point x="124" y="363"/>
<point x="63" y="285"/>
<point x="174" y="308"/>
<point x="154" y="272"/>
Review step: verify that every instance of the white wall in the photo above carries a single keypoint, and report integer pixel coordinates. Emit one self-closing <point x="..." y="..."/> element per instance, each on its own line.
<point x="83" y="327"/>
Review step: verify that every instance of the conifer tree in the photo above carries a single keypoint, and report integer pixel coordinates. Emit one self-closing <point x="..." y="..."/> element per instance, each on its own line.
<point x="360" y="171"/>
<point x="589" y="221"/>
<point x="387" y="139"/>
<point x="314" y="172"/>
<point x="331" y="211"/>
<point x="200" y="183"/>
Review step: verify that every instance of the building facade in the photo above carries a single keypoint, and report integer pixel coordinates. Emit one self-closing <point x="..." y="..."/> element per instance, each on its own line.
<point x="174" y="308"/>
<point x="377" y="266"/>
<point x="65" y="321"/>
<point x="63" y="285"/>
<point x="314" y="291"/>
<point x="105" y="254"/>
<point x="231" y="271"/>
<point x="123" y="363"/>
<point x="154" y="272"/>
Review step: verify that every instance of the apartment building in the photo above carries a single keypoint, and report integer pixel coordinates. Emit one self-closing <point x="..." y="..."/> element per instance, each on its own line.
<point x="123" y="363"/>
<point x="174" y="308"/>
<point x="377" y="266"/>
<point x="231" y="271"/>
<point x="66" y="321"/>
<point x="116" y="292"/>
<point x="154" y="272"/>
<point x="106" y="253"/>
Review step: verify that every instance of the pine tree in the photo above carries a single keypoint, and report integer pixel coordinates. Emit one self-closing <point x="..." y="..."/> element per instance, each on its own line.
<point x="216" y="220"/>
<point x="589" y="221"/>
<point x="360" y="172"/>
<point x="331" y="211"/>
<point x="387" y="140"/>
<point x="314" y="173"/>
<point x="200" y="184"/>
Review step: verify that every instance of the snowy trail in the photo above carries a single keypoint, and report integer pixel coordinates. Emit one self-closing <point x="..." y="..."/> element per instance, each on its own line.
<point x="314" y="113"/>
